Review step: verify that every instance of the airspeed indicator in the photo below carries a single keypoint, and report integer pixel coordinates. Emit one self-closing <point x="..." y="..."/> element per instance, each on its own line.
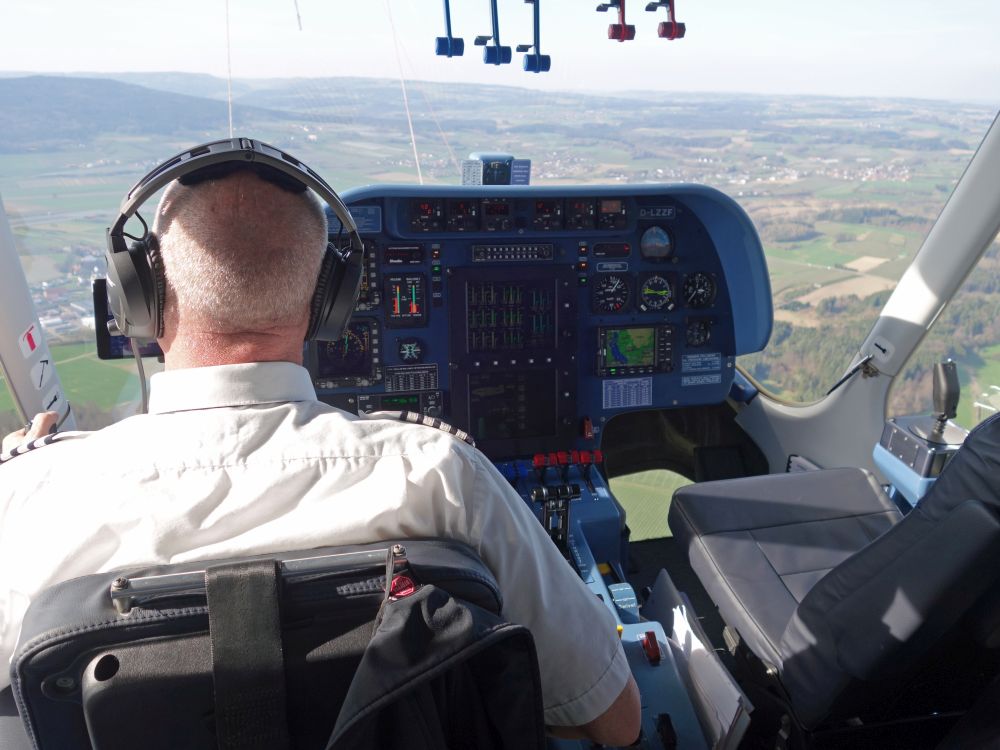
<point x="656" y="293"/>
<point x="612" y="293"/>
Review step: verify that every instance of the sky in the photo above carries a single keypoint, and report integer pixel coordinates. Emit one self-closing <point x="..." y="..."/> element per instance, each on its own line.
<point x="912" y="48"/>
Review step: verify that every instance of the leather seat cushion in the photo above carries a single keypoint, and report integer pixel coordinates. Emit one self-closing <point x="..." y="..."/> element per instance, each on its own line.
<point x="759" y="544"/>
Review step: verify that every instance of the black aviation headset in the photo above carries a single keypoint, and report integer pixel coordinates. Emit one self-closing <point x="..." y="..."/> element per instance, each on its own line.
<point x="136" y="282"/>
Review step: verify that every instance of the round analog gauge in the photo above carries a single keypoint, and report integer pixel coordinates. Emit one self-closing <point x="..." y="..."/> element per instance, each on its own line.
<point x="611" y="293"/>
<point x="698" y="290"/>
<point x="411" y="350"/>
<point x="698" y="333"/>
<point x="656" y="244"/>
<point x="655" y="293"/>
<point x="349" y="355"/>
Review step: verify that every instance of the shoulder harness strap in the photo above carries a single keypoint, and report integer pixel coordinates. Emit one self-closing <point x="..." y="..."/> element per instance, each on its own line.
<point x="40" y="443"/>
<point x="416" y="418"/>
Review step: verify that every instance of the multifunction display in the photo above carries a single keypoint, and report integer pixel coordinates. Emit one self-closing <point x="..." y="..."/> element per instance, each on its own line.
<point x="634" y="350"/>
<point x="513" y="405"/>
<point x="510" y="316"/>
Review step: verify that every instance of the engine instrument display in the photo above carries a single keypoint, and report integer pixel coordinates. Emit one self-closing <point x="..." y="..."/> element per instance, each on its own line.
<point x="611" y="293"/>
<point x="656" y="244"/>
<point x="406" y="299"/>
<point x="634" y="350"/>
<point x="510" y="316"/>
<point x="656" y="292"/>
<point x="351" y="360"/>
<point x="698" y="290"/>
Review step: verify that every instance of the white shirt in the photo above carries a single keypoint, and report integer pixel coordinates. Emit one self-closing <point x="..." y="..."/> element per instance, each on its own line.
<point x="242" y="459"/>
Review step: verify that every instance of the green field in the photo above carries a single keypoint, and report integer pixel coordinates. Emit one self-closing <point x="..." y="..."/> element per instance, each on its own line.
<point x="645" y="496"/>
<point x="976" y="385"/>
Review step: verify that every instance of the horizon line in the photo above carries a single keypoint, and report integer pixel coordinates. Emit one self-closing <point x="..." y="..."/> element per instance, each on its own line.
<point x="621" y="93"/>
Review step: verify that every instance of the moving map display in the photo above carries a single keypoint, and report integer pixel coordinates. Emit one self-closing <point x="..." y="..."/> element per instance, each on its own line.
<point x="634" y="350"/>
<point x="631" y="347"/>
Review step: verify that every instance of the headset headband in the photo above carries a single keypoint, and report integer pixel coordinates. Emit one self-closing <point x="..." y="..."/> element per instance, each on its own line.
<point x="136" y="277"/>
<point x="216" y="152"/>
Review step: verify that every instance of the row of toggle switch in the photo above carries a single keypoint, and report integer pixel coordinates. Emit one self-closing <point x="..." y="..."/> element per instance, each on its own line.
<point x="563" y="460"/>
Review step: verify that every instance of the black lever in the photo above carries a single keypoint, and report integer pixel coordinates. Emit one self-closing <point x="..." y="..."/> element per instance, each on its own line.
<point x="946" y="392"/>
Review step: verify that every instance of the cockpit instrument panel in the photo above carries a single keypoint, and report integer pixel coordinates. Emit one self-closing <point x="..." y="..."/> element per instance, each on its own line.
<point x="530" y="316"/>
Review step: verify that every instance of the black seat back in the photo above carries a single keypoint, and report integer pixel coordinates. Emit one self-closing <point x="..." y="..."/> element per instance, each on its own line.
<point x="877" y="613"/>
<point x="128" y="664"/>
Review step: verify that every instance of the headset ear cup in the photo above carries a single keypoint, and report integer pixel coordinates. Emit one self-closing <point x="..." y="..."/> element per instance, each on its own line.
<point x="321" y="299"/>
<point x="131" y="290"/>
<point x="337" y="290"/>
<point x="159" y="280"/>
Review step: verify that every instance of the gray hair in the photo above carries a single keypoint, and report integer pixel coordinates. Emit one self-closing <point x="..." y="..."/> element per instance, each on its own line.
<point x="240" y="254"/>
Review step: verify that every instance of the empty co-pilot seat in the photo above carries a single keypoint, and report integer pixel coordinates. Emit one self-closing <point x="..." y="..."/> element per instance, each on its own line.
<point x="387" y="645"/>
<point x="830" y="585"/>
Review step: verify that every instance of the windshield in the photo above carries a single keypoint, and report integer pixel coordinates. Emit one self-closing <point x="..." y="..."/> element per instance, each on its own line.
<point x="841" y="129"/>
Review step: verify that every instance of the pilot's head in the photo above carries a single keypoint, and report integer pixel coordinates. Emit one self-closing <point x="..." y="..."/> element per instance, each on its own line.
<point x="241" y="255"/>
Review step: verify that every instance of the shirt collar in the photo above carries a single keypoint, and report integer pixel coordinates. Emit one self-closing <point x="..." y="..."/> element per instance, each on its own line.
<point x="229" y="385"/>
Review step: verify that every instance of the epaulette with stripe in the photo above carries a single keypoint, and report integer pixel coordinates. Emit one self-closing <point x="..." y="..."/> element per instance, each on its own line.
<point x="39" y="443"/>
<point x="417" y="418"/>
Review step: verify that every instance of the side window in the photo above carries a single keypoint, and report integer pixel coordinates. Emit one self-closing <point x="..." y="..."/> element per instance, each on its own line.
<point x="841" y="218"/>
<point x="968" y="331"/>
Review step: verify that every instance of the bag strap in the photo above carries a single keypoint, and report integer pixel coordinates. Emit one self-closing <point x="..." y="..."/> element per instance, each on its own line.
<point x="248" y="666"/>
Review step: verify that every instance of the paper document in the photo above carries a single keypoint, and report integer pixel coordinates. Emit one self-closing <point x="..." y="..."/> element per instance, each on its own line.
<point x="721" y="705"/>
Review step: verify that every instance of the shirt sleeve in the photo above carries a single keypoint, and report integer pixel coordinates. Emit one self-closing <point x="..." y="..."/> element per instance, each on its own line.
<point x="583" y="667"/>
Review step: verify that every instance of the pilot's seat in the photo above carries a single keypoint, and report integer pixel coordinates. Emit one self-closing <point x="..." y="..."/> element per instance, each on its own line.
<point x="832" y="588"/>
<point x="386" y="645"/>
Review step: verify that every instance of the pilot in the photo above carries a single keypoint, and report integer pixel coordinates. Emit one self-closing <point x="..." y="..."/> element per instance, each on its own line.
<point x="237" y="456"/>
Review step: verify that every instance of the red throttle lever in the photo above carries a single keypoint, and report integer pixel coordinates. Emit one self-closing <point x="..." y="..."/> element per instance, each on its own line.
<point x="563" y="458"/>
